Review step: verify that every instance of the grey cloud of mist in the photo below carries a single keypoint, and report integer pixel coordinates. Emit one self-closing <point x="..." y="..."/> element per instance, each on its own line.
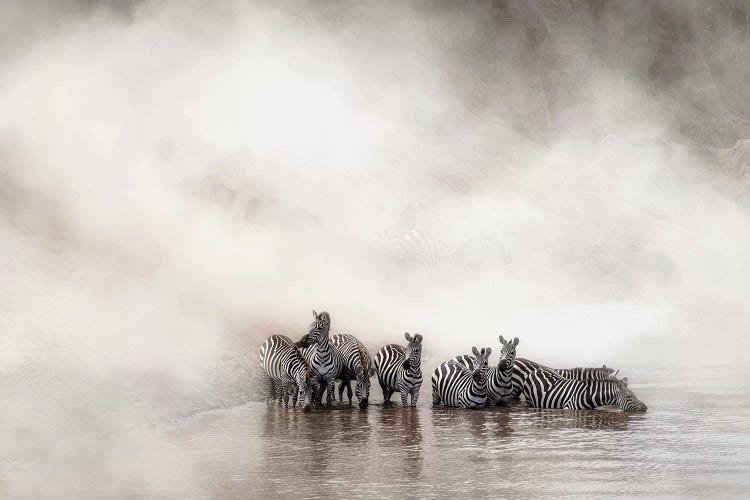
<point x="177" y="182"/>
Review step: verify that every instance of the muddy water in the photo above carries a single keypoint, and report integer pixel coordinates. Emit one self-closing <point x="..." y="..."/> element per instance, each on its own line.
<point x="693" y="442"/>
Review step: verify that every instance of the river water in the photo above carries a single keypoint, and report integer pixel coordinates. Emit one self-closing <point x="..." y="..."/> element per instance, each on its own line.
<point x="693" y="442"/>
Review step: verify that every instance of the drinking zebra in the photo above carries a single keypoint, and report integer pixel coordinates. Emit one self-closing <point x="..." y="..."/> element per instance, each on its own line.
<point x="543" y="388"/>
<point x="400" y="369"/>
<point x="284" y="368"/>
<point x="453" y="384"/>
<point x="523" y="367"/>
<point x="499" y="384"/>
<point x="357" y="366"/>
<point x="325" y="362"/>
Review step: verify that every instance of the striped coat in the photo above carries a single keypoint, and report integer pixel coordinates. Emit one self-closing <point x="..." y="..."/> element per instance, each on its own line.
<point x="285" y="369"/>
<point x="357" y="365"/>
<point x="499" y="377"/>
<point x="453" y="384"/>
<point x="325" y="362"/>
<point x="399" y="369"/>
<point x="543" y="388"/>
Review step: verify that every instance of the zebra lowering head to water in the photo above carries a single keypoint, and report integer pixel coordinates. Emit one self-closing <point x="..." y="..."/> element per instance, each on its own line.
<point x="399" y="369"/>
<point x="523" y="367"/>
<point x="543" y="388"/>
<point x="357" y="366"/>
<point x="325" y="362"/>
<point x="284" y="368"/>
<point x="499" y="383"/>
<point x="453" y="384"/>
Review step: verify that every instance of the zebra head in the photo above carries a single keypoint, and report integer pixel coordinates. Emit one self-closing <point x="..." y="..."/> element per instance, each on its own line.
<point x="625" y="397"/>
<point x="319" y="327"/>
<point x="480" y="368"/>
<point x="507" y="354"/>
<point x="363" y="380"/>
<point x="413" y="350"/>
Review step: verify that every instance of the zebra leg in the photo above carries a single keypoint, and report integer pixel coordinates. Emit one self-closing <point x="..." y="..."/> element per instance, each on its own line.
<point x="386" y="392"/>
<point x="329" y="398"/>
<point x="348" y="391"/>
<point x="414" y="398"/>
<point x="341" y="390"/>
<point x="270" y="389"/>
<point x="404" y="398"/>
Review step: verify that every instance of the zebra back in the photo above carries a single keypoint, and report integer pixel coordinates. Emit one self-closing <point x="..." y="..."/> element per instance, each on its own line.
<point x="284" y="366"/>
<point x="579" y="373"/>
<point x="546" y="389"/>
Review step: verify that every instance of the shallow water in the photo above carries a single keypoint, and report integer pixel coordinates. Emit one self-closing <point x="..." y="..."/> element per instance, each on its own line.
<point x="690" y="443"/>
<point x="693" y="442"/>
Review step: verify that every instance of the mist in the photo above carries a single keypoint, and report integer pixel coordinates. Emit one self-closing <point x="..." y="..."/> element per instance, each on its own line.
<point x="179" y="181"/>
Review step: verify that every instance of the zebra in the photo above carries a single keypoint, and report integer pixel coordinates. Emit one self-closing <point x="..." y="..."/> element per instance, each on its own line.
<point x="499" y="385"/>
<point x="284" y="368"/>
<point x="325" y="362"/>
<point x="357" y="366"/>
<point x="543" y="388"/>
<point x="453" y="384"/>
<point x="523" y="367"/>
<point x="400" y="369"/>
<point x="579" y="373"/>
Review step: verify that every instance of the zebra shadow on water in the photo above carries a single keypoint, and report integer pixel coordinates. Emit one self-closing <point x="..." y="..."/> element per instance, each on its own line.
<point x="400" y="439"/>
<point x="573" y="419"/>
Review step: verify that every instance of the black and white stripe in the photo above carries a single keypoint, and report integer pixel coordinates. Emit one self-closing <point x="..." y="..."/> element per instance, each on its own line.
<point x="285" y="371"/>
<point x="523" y="367"/>
<point x="499" y="380"/>
<point x="325" y="362"/>
<point x="453" y="384"/>
<point x="357" y="366"/>
<point x="399" y="369"/>
<point x="578" y="373"/>
<point x="543" y="388"/>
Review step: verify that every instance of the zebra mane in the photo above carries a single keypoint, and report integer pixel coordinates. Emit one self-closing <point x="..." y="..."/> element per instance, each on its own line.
<point x="304" y="362"/>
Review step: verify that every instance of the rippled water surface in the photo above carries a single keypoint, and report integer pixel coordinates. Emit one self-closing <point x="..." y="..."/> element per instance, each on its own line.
<point x="692" y="442"/>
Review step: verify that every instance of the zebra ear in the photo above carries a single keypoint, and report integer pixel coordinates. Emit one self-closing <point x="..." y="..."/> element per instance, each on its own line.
<point x="502" y="340"/>
<point x="407" y="336"/>
<point x="417" y="338"/>
<point x="515" y="341"/>
<point x="475" y="351"/>
<point x="488" y="351"/>
<point x="315" y="315"/>
<point x="625" y="381"/>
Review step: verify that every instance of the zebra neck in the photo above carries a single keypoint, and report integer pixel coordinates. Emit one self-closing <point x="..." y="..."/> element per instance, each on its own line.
<point x="499" y="376"/>
<point x="324" y="343"/>
<point x="413" y="367"/>
<point x="600" y="394"/>
<point x="479" y="386"/>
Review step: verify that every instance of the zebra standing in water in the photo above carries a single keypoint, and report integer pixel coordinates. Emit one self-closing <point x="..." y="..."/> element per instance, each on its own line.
<point x="357" y="366"/>
<point x="325" y="362"/>
<point x="543" y="388"/>
<point x="523" y="367"/>
<point x="400" y="369"/>
<point x="499" y="384"/>
<point x="284" y="368"/>
<point x="453" y="384"/>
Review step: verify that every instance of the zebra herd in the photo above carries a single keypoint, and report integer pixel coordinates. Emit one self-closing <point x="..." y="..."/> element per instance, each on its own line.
<point x="307" y="369"/>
